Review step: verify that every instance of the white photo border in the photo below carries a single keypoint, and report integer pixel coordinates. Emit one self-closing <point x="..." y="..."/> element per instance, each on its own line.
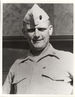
<point x="1" y="20"/>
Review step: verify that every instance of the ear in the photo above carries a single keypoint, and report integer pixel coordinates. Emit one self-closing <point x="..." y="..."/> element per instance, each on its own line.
<point x="50" y="30"/>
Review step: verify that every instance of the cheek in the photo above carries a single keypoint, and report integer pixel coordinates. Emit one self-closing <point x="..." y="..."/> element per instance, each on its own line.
<point x="46" y="35"/>
<point x="30" y="36"/>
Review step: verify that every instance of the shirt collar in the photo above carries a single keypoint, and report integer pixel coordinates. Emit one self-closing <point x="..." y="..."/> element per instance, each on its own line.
<point x="48" y="51"/>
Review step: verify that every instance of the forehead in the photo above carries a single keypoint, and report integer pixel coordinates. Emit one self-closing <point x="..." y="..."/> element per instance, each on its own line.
<point x="41" y="25"/>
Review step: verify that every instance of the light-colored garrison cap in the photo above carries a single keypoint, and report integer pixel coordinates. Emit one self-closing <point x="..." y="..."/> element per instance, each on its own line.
<point x="35" y="16"/>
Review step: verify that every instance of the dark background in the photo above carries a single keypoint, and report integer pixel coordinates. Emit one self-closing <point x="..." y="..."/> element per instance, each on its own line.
<point x="15" y="45"/>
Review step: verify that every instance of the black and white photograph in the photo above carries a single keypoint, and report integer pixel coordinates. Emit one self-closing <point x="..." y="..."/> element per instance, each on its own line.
<point x="37" y="48"/>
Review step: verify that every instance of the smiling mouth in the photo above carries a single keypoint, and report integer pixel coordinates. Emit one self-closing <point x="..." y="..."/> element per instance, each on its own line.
<point x="35" y="40"/>
<point x="39" y="39"/>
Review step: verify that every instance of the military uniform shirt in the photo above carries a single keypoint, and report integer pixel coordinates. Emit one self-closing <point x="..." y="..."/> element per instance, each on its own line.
<point x="49" y="74"/>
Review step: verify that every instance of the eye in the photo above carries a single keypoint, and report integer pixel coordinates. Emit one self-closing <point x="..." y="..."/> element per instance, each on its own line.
<point x="31" y="30"/>
<point x="41" y="29"/>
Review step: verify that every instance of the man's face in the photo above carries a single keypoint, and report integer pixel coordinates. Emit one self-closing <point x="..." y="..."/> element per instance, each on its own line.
<point x="38" y="36"/>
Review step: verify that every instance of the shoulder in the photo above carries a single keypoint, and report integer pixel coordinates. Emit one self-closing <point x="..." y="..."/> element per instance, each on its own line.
<point x="63" y="54"/>
<point x="17" y="63"/>
<point x="66" y="53"/>
<point x="66" y="59"/>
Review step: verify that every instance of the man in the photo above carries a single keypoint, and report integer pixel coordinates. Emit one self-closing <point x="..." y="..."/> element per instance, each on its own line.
<point x="45" y="70"/>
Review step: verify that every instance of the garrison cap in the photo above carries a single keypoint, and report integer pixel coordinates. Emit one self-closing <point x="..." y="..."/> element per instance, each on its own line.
<point x="35" y="16"/>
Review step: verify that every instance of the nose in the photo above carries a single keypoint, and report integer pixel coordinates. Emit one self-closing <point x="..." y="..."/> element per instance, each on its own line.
<point x="36" y="33"/>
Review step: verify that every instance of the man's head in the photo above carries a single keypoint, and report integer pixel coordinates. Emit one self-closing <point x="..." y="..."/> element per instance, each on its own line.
<point x="37" y="28"/>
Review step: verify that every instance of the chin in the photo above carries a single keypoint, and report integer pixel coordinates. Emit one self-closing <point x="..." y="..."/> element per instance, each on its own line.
<point x="38" y="48"/>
